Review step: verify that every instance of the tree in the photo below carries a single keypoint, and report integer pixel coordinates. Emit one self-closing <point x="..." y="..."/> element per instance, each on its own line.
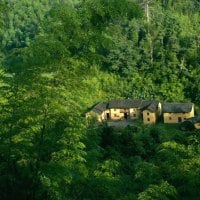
<point x="162" y="191"/>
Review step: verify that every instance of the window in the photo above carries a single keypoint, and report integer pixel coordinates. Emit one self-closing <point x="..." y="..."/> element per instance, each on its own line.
<point x="134" y="115"/>
<point x="148" y="119"/>
<point x="147" y="113"/>
<point x="115" y="115"/>
<point x="170" y="118"/>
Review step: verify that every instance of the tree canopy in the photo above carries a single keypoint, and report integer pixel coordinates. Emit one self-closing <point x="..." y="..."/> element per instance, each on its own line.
<point x="57" y="59"/>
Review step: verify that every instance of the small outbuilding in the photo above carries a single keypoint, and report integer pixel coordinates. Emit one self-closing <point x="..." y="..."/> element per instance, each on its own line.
<point x="191" y="123"/>
<point x="99" y="111"/>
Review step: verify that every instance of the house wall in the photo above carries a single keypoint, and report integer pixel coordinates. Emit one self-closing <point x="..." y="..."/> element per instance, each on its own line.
<point x="135" y="113"/>
<point x="95" y="115"/>
<point x="118" y="114"/>
<point x="174" y="117"/>
<point x="149" y="117"/>
<point x="89" y="115"/>
<point x="105" y="116"/>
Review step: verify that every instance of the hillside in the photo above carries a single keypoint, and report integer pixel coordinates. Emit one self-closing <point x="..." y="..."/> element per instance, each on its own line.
<point x="60" y="57"/>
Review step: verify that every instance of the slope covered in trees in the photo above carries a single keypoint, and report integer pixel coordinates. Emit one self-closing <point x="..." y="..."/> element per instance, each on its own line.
<point x="60" y="57"/>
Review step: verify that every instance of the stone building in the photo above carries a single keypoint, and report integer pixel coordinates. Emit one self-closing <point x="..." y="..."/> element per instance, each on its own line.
<point x="177" y="112"/>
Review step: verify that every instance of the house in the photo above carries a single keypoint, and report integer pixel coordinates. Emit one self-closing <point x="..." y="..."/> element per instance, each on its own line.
<point x="135" y="109"/>
<point x="99" y="111"/>
<point x="124" y="109"/>
<point x="151" y="110"/>
<point x="177" y="112"/>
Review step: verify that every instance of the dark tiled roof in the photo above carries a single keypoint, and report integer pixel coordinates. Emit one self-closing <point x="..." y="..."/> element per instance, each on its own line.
<point x="124" y="103"/>
<point x="177" y="107"/>
<point x="129" y="103"/>
<point x="100" y="107"/>
<point x="149" y="105"/>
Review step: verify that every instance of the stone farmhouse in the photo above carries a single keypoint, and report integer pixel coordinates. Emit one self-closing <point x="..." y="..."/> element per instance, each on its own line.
<point x="177" y="112"/>
<point x="148" y="111"/>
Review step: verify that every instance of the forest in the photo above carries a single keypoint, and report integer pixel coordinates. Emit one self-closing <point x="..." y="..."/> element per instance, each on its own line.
<point x="60" y="57"/>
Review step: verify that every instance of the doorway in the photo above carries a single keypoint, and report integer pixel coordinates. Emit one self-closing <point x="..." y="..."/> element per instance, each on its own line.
<point x="125" y="115"/>
<point x="107" y="115"/>
<point x="179" y="119"/>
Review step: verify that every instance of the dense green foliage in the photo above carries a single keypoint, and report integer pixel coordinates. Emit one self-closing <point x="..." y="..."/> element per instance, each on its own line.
<point x="58" y="58"/>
